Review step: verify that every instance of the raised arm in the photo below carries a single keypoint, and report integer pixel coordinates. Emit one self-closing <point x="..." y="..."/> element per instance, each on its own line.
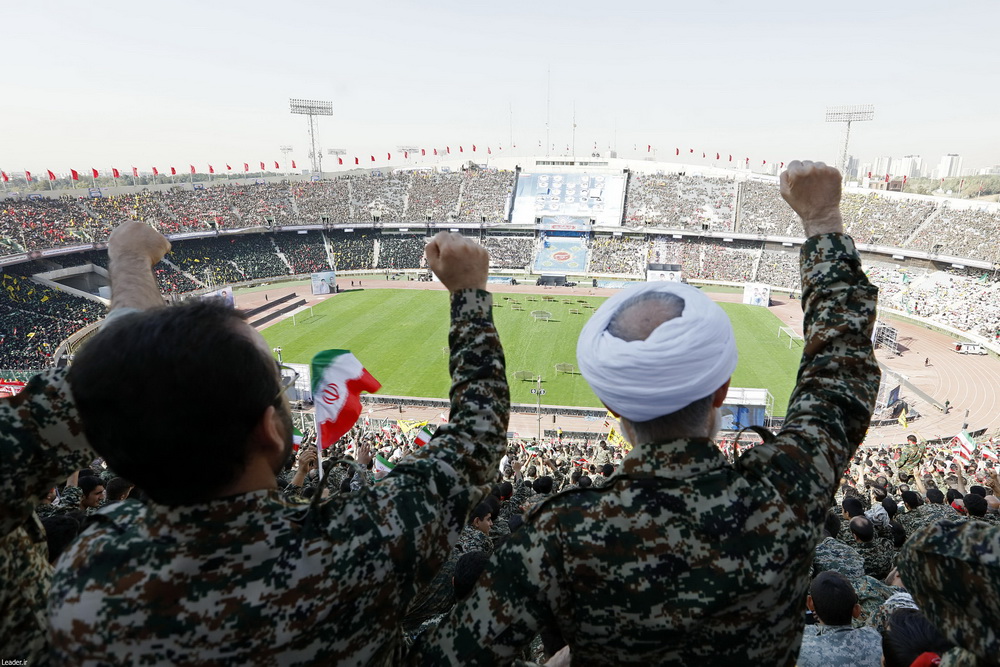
<point x="423" y="504"/>
<point x="829" y="411"/>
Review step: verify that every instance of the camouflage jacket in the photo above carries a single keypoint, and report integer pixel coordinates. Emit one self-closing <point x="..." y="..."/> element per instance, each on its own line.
<point x="910" y="457"/>
<point x="879" y="556"/>
<point x="254" y="579"/>
<point x="953" y="572"/>
<point x="913" y="520"/>
<point x="840" y="646"/>
<point x="41" y="443"/>
<point x="686" y="558"/>
<point x="832" y="554"/>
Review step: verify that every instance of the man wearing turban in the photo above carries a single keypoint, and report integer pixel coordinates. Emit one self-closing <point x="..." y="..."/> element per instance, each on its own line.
<point x="682" y="557"/>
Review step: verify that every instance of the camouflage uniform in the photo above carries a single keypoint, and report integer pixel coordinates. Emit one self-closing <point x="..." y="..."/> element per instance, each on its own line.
<point x="832" y="554"/>
<point x="253" y="579"/>
<point x="40" y="444"/>
<point x="879" y="556"/>
<point x="840" y="646"/>
<point x="910" y="457"/>
<point x="899" y="600"/>
<point x="472" y="539"/>
<point x="926" y="514"/>
<point x="953" y="572"/>
<point x="686" y="558"/>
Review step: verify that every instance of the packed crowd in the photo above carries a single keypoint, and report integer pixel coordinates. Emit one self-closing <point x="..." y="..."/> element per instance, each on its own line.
<point x="486" y="195"/>
<point x="671" y="201"/>
<point x="305" y="253"/>
<point x="707" y="260"/>
<point x="36" y="320"/>
<point x="675" y="201"/>
<point x="618" y="254"/>
<point x="510" y="252"/>
<point x="433" y="196"/>
<point x="961" y="233"/>
<point x="401" y="251"/>
<point x="778" y="268"/>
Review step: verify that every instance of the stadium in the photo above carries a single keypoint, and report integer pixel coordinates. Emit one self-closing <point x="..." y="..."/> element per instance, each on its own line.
<point x="562" y="235"/>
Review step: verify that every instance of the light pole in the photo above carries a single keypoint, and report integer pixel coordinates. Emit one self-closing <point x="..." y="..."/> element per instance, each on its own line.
<point x="539" y="392"/>
<point x="277" y="351"/>
<point x="848" y="115"/>
<point x="312" y="108"/>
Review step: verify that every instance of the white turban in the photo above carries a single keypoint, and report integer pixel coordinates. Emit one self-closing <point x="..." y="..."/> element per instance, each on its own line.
<point x="682" y="360"/>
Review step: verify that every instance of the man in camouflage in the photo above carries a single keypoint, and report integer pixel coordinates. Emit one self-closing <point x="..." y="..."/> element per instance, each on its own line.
<point x="953" y="572"/>
<point x="910" y="457"/>
<point x="41" y="444"/>
<point x="236" y="574"/>
<point x="878" y="553"/>
<point x="687" y="559"/>
<point x="833" y="641"/>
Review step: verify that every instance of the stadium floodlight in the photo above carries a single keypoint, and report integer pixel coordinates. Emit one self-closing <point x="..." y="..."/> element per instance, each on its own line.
<point x="312" y="108"/>
<point x="847" y="115"/>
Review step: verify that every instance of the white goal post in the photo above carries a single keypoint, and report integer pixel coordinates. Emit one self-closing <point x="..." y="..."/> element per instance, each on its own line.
<point x="791" y="333"/>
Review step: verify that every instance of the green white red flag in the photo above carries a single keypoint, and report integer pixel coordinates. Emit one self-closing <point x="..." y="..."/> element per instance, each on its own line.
<point x="423" y="436"/>
<point x="963" y="445"/>
<point x="338" y="379"/>
<point x="382" y="464"/>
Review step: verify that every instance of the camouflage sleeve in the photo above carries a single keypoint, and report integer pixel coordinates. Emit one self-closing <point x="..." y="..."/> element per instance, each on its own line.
<point x="70" y="498"/>
<point x="41" y="443"/>
<point x="953" y="572"/>
<point x="514" y="599"/>
<point x="829" y="411"/>
<point x="360" y="479"/>
<point x="421" y="507"/>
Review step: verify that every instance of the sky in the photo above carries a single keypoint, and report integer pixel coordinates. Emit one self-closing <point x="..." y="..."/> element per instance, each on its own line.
<point x="172" y="84"/>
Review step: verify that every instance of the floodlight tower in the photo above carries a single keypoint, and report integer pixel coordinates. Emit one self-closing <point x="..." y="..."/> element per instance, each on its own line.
<point x="848" y="115"/>
<point x="285" y="152"/>
<point x="312" y="108"/>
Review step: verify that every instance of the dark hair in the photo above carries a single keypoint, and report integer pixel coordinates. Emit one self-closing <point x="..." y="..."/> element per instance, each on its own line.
<point x="935" y="496"/>
<point x="585" y="482"/>
<point x="481" y="511"/>
<point x="862" y="528"/>
<point x="953" y="495"/>
<point x="890" y="507"/>
<point x="60" y="531"/>
<point x="170" y="384"/>
<point x="607" y="470"/>
<point x="515" y="521"/>
<point x="575" y="476"/>
<point x="879" y="493"/>
<point x="833" y="598"/>
<point x="912" y="499"/>
<point x="86" y="472"/>
<point x="506" y="490"/>
<point x="832" y="524"/>
<point x="911" y="438"/>
<point x="468" y="569"/>
<point x="978" y="490"/>
<point x="531" y="471"/>
<point x="908" y="634"/>
<point x="976" y="504"/>
<point x="853" y="506"/>
<point x="542" y="485"/>
<point x="118" y="488"/>
<point x="88" y="484"/>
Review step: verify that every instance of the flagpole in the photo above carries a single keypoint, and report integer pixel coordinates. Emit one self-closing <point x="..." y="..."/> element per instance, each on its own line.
<point x="319" y="455"/>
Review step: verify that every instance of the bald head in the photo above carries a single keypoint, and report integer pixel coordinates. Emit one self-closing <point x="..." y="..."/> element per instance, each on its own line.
<point x="642" y="314"/>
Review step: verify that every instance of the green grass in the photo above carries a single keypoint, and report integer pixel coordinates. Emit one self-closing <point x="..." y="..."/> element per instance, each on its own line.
<point x="399" y="335"/>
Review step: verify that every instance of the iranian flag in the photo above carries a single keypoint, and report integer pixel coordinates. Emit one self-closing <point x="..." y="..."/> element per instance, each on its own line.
<point x="988" y="453"/>
<point x="382" y="464"/>
<point x="296" y="436"/>
<point x="423" y="436"/>
<point x="964" y="445"/>
<point x="338" y="379"/>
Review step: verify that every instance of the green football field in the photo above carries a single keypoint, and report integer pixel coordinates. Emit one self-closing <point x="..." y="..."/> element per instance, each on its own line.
<point x="400" y="336"/>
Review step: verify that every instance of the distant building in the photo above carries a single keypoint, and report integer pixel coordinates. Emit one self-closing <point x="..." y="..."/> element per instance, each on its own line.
<point x="883" y="166"/>
<point x="950" y="166"/>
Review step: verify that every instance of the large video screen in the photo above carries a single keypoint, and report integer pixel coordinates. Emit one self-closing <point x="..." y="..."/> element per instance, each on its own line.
<point x="598" y="197"/>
